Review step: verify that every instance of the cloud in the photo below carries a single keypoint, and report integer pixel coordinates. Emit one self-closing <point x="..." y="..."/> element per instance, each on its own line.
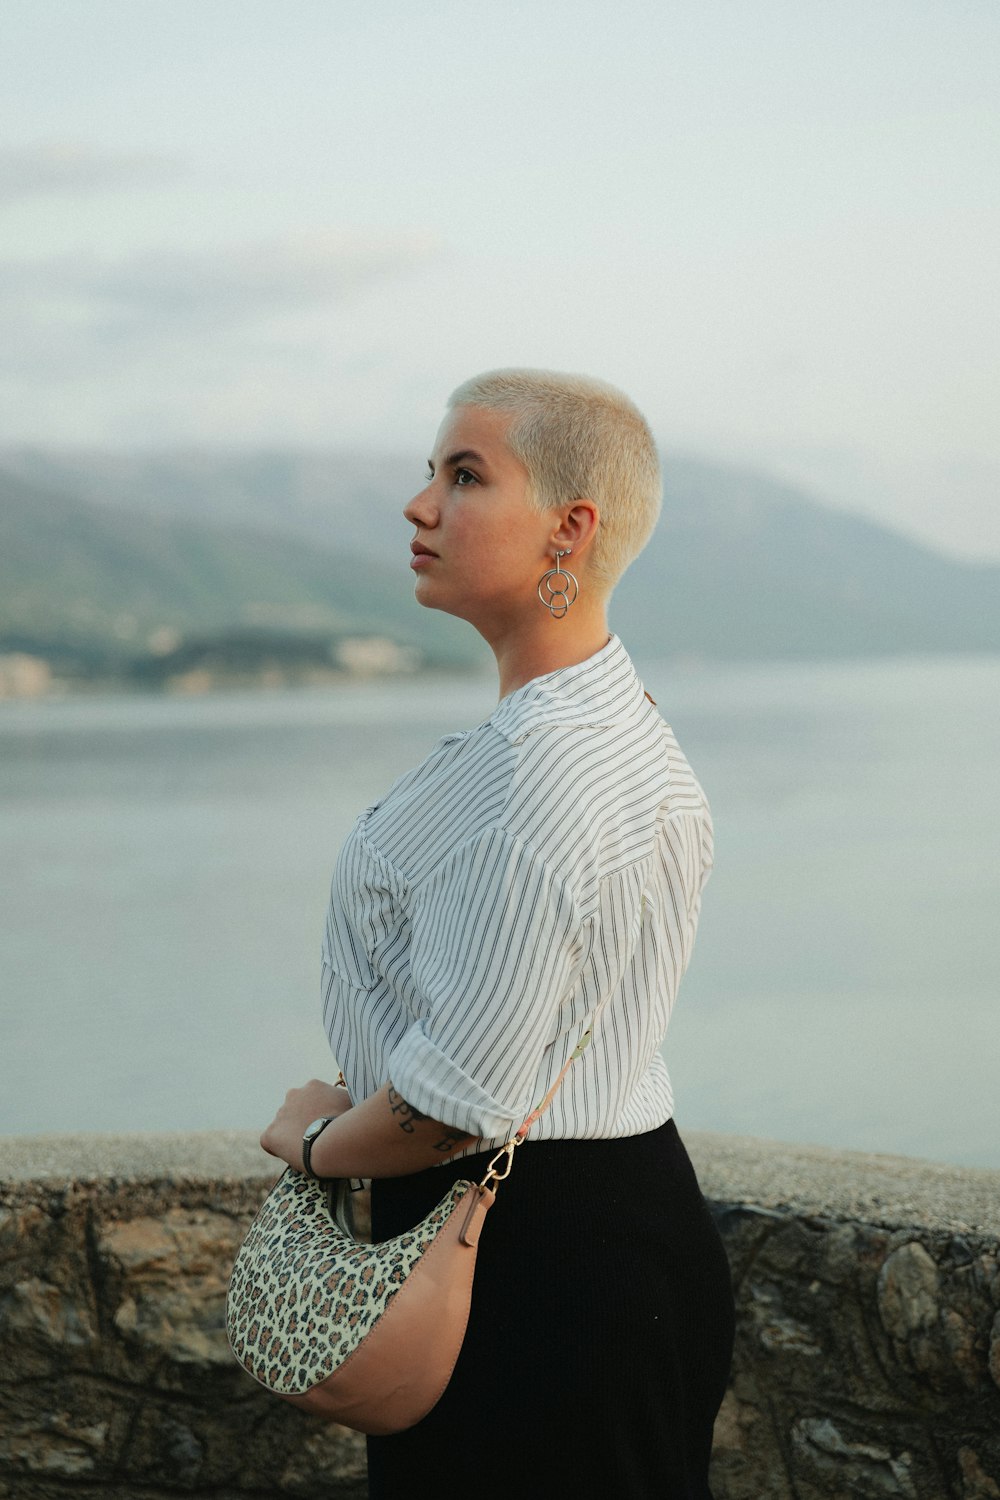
<point x="52" y="168"/>
<point x="147" y="298"/>
<point x="223" y="286"/>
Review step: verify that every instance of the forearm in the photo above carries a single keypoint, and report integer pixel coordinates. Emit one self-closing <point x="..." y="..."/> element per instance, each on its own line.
<point x="383" y="1136"/>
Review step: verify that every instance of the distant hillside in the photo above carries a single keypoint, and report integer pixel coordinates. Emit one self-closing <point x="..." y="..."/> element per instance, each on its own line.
<point x="101" y="581"/>
<point x="349" y="501"/>
<point x="741" y="565"/>
<point x="744" y="566"/>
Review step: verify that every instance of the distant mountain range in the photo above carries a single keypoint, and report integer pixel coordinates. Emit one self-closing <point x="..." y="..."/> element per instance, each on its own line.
<point x="95" y="586"/>
<point x="103" y="553"/>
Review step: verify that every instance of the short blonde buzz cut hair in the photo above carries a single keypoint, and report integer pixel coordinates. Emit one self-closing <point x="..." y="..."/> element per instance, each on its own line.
<point x="579" y="439"/>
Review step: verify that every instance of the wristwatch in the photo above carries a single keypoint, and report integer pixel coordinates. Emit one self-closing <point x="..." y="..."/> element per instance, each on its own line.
<point x="312" y="1132"/>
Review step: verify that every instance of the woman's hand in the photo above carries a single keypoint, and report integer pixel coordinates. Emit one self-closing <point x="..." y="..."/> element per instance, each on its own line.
<point x="283" y="1137"/>
<point x="382" y="1136"/>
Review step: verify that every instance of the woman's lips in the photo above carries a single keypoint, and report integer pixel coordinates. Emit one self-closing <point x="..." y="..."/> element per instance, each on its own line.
<point x="421" y="556"/>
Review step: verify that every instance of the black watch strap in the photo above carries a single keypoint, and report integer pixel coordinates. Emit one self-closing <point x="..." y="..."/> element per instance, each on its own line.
<point x="308" y="1140"/>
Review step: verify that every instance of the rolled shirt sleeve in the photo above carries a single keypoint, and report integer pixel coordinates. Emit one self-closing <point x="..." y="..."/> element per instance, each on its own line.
<point x="496" y="946"/>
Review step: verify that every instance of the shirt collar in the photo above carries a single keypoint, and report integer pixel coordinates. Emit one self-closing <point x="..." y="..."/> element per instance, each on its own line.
<point x="600" y="691"/>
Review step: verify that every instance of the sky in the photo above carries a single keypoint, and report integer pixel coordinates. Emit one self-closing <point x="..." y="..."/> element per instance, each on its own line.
<point x="285" y="223"/>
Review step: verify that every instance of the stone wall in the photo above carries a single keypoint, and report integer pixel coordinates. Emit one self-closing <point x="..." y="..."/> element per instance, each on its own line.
<point x="868" y="1346"/>
<point x="867" y="1361"/>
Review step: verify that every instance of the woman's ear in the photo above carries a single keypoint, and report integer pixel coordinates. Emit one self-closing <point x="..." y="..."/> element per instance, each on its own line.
<point x="578" y="527"/>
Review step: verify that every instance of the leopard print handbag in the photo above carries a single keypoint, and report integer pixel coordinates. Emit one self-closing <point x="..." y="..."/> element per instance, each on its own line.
<point x="365" y="1335"/>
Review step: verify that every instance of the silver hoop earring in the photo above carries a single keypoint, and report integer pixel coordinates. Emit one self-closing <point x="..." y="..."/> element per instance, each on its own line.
<point x="558" y="588"/>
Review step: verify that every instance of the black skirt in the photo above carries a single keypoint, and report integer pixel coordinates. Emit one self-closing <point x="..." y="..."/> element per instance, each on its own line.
<point x="600" y="1336"/>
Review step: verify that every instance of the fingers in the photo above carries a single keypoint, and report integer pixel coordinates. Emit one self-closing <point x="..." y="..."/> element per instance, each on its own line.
<point x="301" y="1106"/>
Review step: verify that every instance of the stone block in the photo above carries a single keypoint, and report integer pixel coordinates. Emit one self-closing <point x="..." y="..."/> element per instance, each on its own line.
<point x="41" y="1322"/>
<point x="833" y="1458"/>
<point x="746" y="1463"/>
<point x="994" y="1352"/>
<point x="57" y="1444"/>
<point x="166" y="1283"/>
<point x="976" y="1483"/>
<point x="938" y="1316"/>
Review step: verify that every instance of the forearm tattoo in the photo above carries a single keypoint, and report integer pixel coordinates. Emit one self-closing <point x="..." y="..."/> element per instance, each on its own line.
<point x="409" y="1118"/>
<point x="450" y="1141"/>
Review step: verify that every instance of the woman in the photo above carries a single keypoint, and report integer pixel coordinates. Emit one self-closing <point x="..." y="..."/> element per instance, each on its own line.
<point x="532" y="874"/>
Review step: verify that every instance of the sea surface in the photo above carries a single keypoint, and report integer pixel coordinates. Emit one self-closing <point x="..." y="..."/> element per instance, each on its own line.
<point x="166" y="861"/>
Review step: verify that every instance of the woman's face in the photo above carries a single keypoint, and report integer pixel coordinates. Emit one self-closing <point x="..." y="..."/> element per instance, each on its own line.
<point x="479" y="548"/>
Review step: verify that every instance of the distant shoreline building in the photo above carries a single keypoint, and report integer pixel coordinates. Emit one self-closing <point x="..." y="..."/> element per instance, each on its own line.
<point x="24" y="676"/>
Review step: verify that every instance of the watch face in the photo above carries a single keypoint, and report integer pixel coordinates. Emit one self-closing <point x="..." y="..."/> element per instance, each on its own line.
<point x="314" y="1128"/>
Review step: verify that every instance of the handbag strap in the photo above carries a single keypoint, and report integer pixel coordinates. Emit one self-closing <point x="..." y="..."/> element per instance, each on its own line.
<point x="505" y="1156"/>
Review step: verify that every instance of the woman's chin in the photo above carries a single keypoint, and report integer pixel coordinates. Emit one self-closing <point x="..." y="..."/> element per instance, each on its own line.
<point x="421" y="592"/>
<point x="429" y="597"/>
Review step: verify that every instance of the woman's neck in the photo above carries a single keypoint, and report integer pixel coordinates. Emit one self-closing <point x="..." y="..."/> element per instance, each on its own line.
<point x="543" y="645"/>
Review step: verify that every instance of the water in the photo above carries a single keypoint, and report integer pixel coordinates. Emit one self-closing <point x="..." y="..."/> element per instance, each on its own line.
<point x="166" y="863"/>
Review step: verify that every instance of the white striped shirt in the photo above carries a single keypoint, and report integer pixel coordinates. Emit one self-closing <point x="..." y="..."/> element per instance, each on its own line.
<point x="531" y="868"/>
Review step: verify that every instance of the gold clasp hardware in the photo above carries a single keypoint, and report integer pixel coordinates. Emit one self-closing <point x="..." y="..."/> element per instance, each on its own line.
<point x="506" y="1153"/>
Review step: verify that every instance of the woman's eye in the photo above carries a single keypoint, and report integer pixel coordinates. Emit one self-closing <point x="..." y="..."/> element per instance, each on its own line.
<point x="464" y="477"/>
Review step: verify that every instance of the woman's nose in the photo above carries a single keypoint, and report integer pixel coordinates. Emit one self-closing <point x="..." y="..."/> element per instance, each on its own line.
<point x="421" y="510"/>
